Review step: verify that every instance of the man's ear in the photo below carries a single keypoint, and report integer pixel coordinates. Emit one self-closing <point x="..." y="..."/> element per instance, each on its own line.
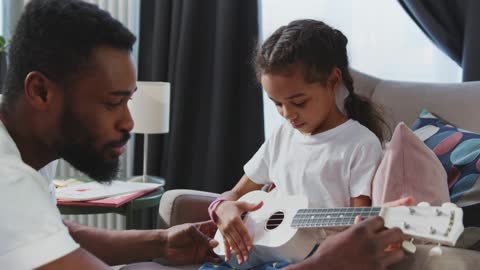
<point x="38" y="90"/>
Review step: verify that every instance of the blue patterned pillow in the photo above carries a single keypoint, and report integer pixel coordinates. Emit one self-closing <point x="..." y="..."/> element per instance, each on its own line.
<point x="459" y="153"/>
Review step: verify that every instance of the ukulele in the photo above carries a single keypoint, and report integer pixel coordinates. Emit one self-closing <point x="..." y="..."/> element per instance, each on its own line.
<point x="279" y="229"/>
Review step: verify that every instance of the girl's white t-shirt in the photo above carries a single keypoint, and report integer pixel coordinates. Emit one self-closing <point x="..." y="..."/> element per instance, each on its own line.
<point x="328" y="168"/>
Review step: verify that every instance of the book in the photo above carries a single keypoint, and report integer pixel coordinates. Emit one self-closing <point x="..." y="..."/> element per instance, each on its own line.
<point x="96" y="191"/>
<point x="114" y="202"/>
<point x="59" y="183"/>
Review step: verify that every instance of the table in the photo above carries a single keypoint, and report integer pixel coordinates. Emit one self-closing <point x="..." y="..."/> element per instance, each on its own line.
<point x="140" y="213"/>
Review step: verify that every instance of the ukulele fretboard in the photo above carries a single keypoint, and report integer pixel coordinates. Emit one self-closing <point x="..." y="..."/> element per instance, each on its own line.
<point x="331" y="217"/>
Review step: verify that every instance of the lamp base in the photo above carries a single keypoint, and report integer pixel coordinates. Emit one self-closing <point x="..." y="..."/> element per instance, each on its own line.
<point x="147" y="179"/>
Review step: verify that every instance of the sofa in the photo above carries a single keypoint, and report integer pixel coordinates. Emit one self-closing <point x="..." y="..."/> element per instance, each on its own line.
<point x="401" y="102"/>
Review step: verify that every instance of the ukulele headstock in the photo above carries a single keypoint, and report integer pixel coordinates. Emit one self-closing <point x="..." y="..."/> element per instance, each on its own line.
<point x="440" y="224"/>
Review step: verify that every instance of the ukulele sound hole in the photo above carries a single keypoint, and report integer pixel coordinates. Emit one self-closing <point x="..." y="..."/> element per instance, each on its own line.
<point x="275" y="220"/>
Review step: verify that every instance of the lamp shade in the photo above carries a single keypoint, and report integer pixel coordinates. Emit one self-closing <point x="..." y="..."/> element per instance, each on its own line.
<point x="150" y="107"/>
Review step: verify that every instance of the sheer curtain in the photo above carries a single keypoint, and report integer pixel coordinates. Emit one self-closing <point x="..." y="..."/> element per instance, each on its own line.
<point x="383" y="40"/>
<point x="126" y="11"/>
<point x="2" y="8"/>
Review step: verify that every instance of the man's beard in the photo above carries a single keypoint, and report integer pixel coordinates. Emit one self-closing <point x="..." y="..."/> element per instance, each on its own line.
<point x="78" y="149"/>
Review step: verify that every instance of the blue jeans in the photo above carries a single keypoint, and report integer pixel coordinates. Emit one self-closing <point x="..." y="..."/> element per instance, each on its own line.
<point x="225" y="266"/>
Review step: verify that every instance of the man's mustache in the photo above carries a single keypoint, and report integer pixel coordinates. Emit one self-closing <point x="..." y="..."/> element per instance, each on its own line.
<point x="125" y="137"/>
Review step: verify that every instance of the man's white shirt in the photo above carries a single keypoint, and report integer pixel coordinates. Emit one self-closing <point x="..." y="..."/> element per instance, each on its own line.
<point x="32" y="232"/>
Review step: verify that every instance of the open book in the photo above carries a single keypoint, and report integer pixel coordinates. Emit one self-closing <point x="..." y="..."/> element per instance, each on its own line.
<point x="113" y="202"/>
<point x="95" y="191"/>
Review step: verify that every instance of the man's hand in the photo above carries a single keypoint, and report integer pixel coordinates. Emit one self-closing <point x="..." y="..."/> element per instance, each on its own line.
<point x="190" y="244"/>
<point x="362" y="246"/>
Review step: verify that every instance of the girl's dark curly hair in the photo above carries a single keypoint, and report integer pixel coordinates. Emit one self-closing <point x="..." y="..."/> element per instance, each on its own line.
<point x="318" y="48"/>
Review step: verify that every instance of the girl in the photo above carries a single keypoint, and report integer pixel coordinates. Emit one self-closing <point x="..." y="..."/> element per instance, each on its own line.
<point x="319" y="152"/>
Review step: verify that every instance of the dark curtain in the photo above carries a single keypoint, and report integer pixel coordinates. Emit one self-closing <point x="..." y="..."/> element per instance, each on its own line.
<point x="204" y="49"/>
<point x="3" y="69"/>
<point x="454" y="26"/>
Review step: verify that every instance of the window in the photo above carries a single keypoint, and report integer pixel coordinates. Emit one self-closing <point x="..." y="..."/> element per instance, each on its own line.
<point x="1" y="17"/>
<point x="383" y="40"/>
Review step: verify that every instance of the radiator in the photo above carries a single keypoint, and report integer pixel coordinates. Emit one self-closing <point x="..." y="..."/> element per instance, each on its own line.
<point x="128" y="13"/>
<point x="103" y="221"/>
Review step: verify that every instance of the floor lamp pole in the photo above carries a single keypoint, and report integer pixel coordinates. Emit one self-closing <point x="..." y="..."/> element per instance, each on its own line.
<point x="145" y="155"/>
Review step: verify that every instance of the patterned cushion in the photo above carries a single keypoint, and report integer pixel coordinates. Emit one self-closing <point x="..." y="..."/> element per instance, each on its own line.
<point x="459" y="153"/>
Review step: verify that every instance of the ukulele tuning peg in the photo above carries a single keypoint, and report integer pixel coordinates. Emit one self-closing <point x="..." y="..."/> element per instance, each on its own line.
<point x="409" y="247"/>
<point x="449" y="205"/>
<point x="424" y="204"/>
<point x="435" y="251"/>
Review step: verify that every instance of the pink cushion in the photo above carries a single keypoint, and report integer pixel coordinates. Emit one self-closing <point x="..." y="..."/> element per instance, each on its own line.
<point x="409" y="168"/>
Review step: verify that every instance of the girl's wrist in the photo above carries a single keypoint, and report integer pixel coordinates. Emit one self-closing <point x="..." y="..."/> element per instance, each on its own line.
<point x="212" y="207"/>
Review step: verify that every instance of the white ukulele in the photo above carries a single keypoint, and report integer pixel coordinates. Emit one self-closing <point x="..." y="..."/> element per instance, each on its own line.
<point x="276" y="235"/>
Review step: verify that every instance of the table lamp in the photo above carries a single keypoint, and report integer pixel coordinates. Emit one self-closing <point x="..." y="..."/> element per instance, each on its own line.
<point x="150" y="110"/>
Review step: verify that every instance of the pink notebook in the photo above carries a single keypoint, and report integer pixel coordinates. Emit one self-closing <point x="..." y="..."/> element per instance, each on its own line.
<point x="114" y="202"/>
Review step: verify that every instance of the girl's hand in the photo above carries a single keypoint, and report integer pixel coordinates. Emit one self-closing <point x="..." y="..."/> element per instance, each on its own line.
<point x="406" y="201"/>
<point x="233" y="230"/>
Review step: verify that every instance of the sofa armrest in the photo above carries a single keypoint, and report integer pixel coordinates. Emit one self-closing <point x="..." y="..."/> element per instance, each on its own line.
<point x="180" y="206"/>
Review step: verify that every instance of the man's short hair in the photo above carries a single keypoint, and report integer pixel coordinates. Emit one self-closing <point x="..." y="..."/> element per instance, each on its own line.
<point x="57" y="38"/>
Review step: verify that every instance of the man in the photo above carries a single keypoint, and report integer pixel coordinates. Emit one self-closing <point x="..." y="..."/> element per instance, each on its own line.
<point x="70" y="77"/>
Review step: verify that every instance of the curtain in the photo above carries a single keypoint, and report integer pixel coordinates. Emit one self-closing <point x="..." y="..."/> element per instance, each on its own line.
<point x="204" y="49"/>
<point x="11" y="13"/>
<point x="453" y="27"/>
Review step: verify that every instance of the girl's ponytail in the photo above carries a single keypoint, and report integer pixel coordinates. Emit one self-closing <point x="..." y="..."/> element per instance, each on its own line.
<point x="363" y="109"/>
